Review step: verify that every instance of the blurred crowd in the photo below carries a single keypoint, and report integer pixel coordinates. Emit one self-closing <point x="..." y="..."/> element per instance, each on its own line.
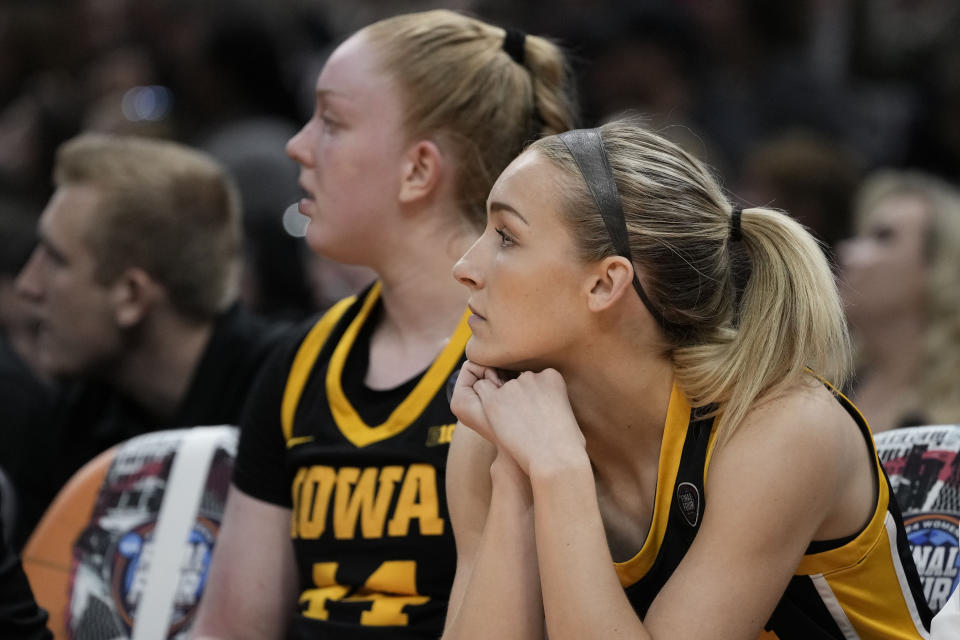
<point x="793" y="100"/>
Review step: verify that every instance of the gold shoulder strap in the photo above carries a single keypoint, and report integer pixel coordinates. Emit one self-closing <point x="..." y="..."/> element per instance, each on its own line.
<point x="303" y="363"/>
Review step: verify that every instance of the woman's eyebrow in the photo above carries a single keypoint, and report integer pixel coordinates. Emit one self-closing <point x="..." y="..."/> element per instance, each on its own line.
<point x="501" y="206"/>
<point x="51" y="248"/>
<point x="324" y="95"/>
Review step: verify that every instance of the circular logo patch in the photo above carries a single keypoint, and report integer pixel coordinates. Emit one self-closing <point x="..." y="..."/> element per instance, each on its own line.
<point x="131" y="560"/>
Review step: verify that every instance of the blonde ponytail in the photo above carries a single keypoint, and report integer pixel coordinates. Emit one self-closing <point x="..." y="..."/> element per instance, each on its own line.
<point x="554" y="96"/>
<point x="790" y="320"/>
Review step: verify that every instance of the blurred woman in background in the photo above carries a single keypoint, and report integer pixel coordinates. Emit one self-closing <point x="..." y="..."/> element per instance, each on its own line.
<point x="901" y="290"/>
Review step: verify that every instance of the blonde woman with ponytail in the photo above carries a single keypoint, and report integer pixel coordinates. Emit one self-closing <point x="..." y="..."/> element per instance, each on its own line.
<point x="651" y="443"/>
<point x="336" y="526"/>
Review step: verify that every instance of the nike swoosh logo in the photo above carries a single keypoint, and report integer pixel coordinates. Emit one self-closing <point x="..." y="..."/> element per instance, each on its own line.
<point x="292" y="442"/>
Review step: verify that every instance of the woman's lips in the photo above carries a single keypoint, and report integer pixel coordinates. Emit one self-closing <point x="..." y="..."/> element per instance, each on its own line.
<point x="304" y="205"/>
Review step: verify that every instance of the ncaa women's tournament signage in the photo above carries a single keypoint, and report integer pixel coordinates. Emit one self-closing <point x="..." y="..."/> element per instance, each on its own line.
<point x="141" y="563"/>
<point x="923" y="464"/>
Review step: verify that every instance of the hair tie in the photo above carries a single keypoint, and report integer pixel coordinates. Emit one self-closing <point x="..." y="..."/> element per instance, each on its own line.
<point x="740" y="265"/>
<point x="735" y="232"/>
<point x="514" y="43"/>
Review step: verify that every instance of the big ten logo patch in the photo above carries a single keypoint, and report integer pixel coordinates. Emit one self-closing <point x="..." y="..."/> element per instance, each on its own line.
<point x="441" y="434"/>
<point x="133" y="555"/>
<point x="933" y="539"/>
<point x="373" y="501"/>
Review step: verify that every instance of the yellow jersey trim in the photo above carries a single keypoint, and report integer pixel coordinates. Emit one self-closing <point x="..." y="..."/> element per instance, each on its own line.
<point x="671" y="447"/>
<point x="348" y="420"/>
<point x="292" y="442"/>
<point x="303" y="364"/>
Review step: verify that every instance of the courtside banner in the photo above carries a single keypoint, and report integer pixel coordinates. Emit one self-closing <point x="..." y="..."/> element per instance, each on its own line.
<point x="923" y="464"/>
<point x="141" y="563"/>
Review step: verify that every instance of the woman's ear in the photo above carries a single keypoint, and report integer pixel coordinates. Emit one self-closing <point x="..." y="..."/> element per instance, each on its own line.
<point x="609" y="281"/>
<point x="423" y="168"/>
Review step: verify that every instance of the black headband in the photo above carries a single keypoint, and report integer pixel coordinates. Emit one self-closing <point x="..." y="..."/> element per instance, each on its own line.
<point x="514" y="43"/>
<point x="586" y="147"/>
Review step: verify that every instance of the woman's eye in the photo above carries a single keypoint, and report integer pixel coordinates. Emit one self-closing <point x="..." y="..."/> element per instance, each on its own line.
<point x="882" y="233"/>
<point x="328" y="122"/>
<point x="505" y="239"/>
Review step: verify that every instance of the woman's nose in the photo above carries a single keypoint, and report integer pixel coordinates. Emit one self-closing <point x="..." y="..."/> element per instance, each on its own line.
<point x="298" y="147"/>
<point x="847" y="252"/>
<point x="465" y="272"/>
<point x="29" y="283"/>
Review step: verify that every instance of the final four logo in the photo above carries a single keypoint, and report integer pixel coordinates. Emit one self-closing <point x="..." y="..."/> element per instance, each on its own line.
<point x="131" y="563"/>
<point x="933" y="538"/>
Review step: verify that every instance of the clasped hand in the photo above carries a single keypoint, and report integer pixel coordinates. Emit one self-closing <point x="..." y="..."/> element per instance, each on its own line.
<point x="528" y="417"/>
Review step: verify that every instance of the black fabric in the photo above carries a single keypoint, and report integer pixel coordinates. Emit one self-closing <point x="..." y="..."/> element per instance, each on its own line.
<point x="691" y="471"/>
<point x="20" y="617"/>
<point x="819" y="546"/>
<point x="27" y="409"/>
<point x="261" y="450"/>
<point x="240" y="344"/>
<point x="91" y="416"/>
<point x="680" y="533"/>
<point x="801" y="614"/>
<point x="586" y="147"/>
<point x="514" y="43"/>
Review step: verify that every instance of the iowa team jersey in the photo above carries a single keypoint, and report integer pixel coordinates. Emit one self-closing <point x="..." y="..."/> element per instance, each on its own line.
<point x="369" y="522"/>
<point x="863" y="587"/>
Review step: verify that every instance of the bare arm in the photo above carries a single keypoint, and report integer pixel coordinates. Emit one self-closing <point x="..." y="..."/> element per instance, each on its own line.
<point x="468" y="500"/>
<point x="497" y="587"/>
<point x="496" y="590"/>
<point x="253" y="579"/>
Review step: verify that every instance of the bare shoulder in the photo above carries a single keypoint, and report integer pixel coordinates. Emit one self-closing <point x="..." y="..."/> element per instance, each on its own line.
<point x="803" y="430"/>
<point x="786" y="461"/>
<point x="805" y="415"/>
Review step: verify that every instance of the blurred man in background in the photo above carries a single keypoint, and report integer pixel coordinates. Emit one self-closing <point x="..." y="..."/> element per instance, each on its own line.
<point x="134" y="284"/>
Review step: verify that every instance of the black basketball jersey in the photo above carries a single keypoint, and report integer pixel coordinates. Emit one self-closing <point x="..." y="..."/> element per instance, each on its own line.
<point x="369" y="524"/>
<point x="865" y="586"/>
